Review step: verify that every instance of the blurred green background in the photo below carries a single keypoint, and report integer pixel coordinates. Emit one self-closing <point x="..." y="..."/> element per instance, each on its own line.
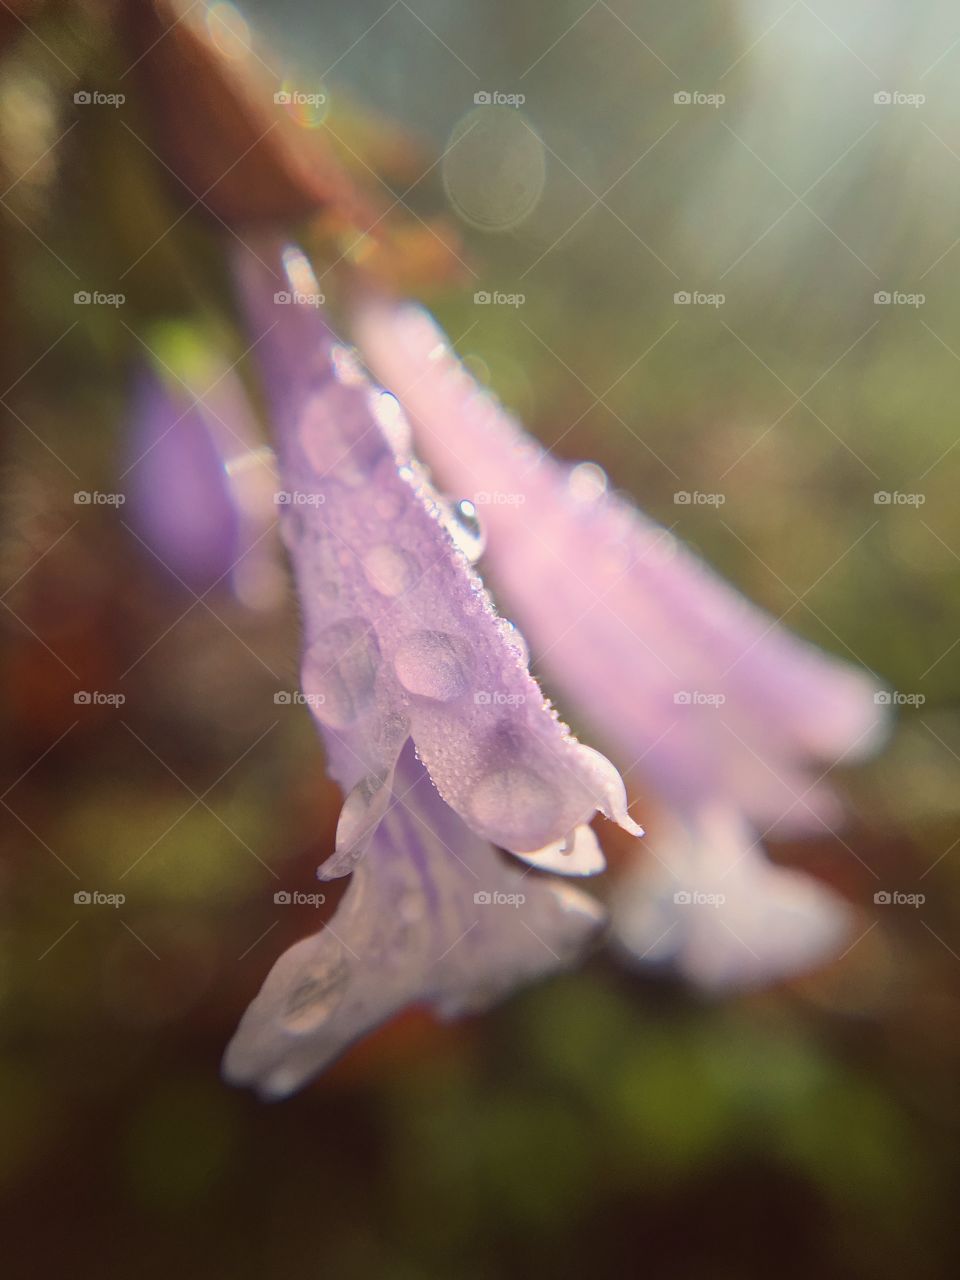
<point x="606" y="1123"/>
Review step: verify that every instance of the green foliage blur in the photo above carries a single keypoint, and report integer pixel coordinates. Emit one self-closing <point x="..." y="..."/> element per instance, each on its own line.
<point x="608" y="1123"/>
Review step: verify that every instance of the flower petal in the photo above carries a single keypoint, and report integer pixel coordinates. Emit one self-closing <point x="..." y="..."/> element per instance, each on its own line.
<point x="666" y="661"/>
<point x="709" y="903"/>
<point x="433" y="915"/>
<point x="401" y="638"/>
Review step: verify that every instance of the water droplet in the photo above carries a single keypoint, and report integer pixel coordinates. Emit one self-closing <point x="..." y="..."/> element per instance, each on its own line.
<point x="515" y="806"/>
<point x="390" y="570"/>
<point x="434" y="664"/>
<point x="586" y="482"/>
<point x="464" y="526"/>
<point x="362" y="810"/>
<point x="579" y="854"/>
<point x="317" y="994"/>
<point x="347" y="368"/>
<point x="393" y="422"/>
<point x="339" y="670"/>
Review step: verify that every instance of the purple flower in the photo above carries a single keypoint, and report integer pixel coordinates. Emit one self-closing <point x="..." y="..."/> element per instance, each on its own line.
<point x="732" y="720"/>
<point x="202" y="482"/>
<point x="440" y="738"/>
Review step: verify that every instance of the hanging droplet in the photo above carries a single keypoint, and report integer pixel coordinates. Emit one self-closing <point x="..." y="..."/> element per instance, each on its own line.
<point x="586" y="482"/>
<point x="464" y="526"/>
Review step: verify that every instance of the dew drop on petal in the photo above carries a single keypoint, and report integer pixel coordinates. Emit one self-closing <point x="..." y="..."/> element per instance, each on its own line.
<point x="362" y="810"/>
<point x="339" y="671"/>
<point x="586" y="482"/>
<point x="434" y="664"/>
<point x="465" y="529"/>
<point x="515" y="806"/>
<point x="578" y="855"/>
<point x="390" y="570"/>
<point x="393" y="421"/>
<point x="346" y="366"/>
<point x="317" y="994"/>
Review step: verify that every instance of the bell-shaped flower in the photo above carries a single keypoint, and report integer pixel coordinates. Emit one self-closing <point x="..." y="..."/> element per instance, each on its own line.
<point x="433" y="726"/>
<point x="731" y="719"/>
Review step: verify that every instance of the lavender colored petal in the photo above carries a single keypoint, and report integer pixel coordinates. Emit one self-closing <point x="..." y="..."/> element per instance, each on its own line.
<point x="401" y="640"/>
<point x="708" y="902"/>
<point x="669" y="664"/>
<point x="180" y="498"/>
<point x="433" y="915"/>
<point x="727" y="714"/>
<point x="203" y="484"/>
